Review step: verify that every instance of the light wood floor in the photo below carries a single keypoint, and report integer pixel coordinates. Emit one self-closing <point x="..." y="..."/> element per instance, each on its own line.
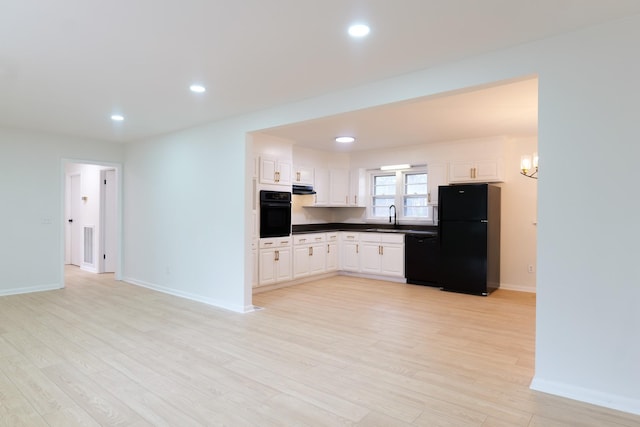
<point x="336" y="352"/>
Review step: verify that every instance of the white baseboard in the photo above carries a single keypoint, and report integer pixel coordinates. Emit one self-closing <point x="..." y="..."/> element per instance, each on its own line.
<point x="29" y="289"/>
<point x="594" y="397"/>
<point x="519" y="288"/>
<point x="373" y="276"/>
<point x="189" y="296"/>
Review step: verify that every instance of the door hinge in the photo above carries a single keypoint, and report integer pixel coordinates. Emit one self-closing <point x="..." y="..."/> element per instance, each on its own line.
<point x="104" y="256"/>
<point x="105" y="182"/>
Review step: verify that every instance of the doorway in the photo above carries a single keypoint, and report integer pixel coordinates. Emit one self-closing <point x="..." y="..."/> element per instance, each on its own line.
<point x="92" y="217"/>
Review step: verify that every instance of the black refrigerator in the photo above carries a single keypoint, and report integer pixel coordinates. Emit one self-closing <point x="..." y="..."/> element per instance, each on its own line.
<point x="469" y="234"/>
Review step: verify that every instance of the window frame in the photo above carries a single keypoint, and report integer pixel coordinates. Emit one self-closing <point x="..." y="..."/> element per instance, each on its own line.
<point x="399" y="195"/>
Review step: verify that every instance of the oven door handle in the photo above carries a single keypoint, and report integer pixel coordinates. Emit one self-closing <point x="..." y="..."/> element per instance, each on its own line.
<point x="275" y="205"/>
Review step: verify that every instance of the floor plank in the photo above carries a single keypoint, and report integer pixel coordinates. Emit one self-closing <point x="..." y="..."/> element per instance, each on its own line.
<point x="341" y="351"/>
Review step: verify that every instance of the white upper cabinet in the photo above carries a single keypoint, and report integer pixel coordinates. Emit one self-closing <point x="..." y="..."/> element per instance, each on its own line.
<point x="321" y="186"/>
<point x="357" y="188"/>
<point x="338" y="187"/>
<point x="302" y="175"/>
<point x="275" y="171"/>
<point x="476" y="171"/>
<point x="436" y="176"/>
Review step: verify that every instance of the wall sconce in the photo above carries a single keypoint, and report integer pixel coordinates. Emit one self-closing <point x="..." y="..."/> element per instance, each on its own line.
<point x="529" y="166"/>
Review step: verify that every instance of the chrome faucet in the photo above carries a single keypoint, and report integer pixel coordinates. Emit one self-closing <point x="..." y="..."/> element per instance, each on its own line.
<point x="395" y="218"/>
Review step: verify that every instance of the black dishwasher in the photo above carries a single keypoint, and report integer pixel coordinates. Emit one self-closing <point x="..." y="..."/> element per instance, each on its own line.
<point x="421" y="258"/>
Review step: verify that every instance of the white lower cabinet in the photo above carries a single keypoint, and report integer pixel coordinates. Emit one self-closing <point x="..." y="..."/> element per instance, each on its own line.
<point x="275" y="260"/>
<point x="282" y="259"/>
<point x="309" y="254"/>
<point x="382" y="253"/>
<point x="349" y="251"/>
<point x="333" y="244"/>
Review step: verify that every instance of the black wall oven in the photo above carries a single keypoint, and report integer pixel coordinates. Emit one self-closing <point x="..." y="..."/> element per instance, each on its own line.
<point x="275" y="213"/>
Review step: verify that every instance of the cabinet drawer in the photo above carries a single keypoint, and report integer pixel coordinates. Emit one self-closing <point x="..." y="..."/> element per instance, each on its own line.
<point x="350" y="237"/>
<point x="392" y="238"/>
<point x="275" y="242"/>
<point x="371" y="237"/>
<point x="331" y="237"/>
<point x="306" y="239"/>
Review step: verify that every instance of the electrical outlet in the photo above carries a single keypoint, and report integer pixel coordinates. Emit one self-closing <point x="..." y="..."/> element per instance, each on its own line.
<point x="530" y="268"/>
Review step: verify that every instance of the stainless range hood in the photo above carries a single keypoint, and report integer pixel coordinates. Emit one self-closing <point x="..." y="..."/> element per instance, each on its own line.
<point x="302" y="189"/>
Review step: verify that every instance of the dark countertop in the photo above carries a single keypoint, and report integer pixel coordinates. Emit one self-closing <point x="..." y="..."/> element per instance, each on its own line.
<point x="378" y="228"/>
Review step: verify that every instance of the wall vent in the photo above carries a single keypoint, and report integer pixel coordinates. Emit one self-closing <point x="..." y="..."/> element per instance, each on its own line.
<point x="88" y="245"/>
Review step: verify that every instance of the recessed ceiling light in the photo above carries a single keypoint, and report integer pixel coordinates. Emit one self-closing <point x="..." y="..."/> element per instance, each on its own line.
<point x="359" y="30"/>
<point x="345" y="139"/>
<point x="197" y="88"/>
<point x="117" y="117"/>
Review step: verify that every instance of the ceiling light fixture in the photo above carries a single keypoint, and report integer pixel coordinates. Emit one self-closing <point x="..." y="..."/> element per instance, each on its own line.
<point x="394" y="167"/>
<point x="345" y="139"/>
<point x="359" y="30"/>
<point x="197" y="88"/>
<point x="117" y="117"/>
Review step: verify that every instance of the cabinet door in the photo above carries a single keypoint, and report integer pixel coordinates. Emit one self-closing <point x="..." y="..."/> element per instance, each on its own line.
<point x="370" y="257"/>
<point x="317" y="260"/>
<point x="338" y="187"/>
<point x="332" y="256"/>
<point x="301" y="261"/>
<point x="488" y="170"/>
<point x="268" y="168"/>
<point x="461" y="172"/>
<point x="392" y="260"/>
<point x="302" y="175"/>
<point x="267" y="267"/>
<point x="350" y="256"/>
<point x="283" y="270"/>
<point x="284" y="172"/>
<point x="321" y="186"/>
<point x="357" y="188"/>
<point x="436" y="176"/>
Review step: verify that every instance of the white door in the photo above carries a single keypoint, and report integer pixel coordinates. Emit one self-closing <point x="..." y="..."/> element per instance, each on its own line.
<point x="75" y="220"/>
<point x="109" y="221"/>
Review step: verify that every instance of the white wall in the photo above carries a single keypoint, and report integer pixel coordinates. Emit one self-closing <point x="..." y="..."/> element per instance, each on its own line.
<point x="31" y="190"/>
<point x="587" y="283"/>
<point x="185" y="210"/>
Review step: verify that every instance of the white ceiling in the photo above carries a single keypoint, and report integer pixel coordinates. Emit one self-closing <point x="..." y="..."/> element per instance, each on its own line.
<point x="504" y="109"/>
<point x="67" y="65"/>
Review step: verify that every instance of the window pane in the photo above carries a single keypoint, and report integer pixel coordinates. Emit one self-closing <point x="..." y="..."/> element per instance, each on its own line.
<point x="415" y="183"/>
<point x="416" y="178"/>
<point x="384" y="185"/>
<point x="381" y="206"/>
<point x="415" y="207"/>
<point x="421" y="211"/>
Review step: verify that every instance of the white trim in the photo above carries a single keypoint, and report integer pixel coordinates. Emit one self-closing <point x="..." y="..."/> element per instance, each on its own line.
<point x="30" y="289"/>
<point x="189" y="296"/>
<point x="396" y="279"/>
<point x="519" y="288"/>
<point x="591" y="396"/>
